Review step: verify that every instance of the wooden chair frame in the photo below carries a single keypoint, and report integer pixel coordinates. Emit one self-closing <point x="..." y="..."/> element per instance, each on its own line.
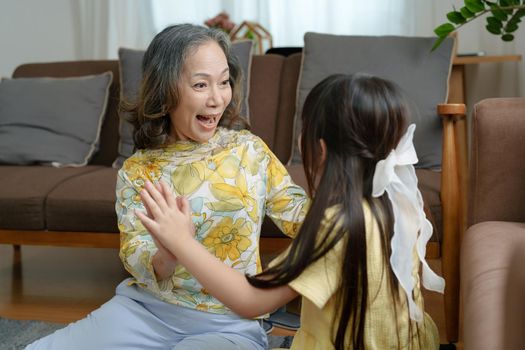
<point x="454" y="207"/>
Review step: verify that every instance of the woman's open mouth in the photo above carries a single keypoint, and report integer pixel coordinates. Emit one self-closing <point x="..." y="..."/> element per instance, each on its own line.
<point x="209" y="121"/>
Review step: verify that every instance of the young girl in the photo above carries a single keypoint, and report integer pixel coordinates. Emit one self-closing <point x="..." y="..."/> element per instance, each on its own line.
<point x="189" y="96"/>
<point x="356" y="258"/>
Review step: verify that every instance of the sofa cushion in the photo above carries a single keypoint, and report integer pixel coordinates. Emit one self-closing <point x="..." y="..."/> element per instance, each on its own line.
<point x="108" y="142"/>
<point x="52" y="120"/>
<point x="24" y="190"/>
<point x="84" y="203"/>
<point x="421" y="74"/>
<point x="486" y="252"/>
<point x="130" y="62"/>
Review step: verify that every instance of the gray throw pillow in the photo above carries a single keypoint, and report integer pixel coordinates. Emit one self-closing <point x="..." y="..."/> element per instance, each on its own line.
<point x="130" y="64"/>
<point x="52" y="120"/>
<point x="422" y="75"/>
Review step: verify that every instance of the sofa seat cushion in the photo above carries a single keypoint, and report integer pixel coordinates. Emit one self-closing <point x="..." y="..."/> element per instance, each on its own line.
<point x="486" y="253"/>
<point x="429" y="185"/>
<point x="24" y="190"/>
<point x="84" y="203"/>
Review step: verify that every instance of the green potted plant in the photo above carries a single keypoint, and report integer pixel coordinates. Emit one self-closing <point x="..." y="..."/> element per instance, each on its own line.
<point x="504" y="17"/>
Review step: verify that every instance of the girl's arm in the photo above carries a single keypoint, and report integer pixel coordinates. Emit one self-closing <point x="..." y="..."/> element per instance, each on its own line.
<point x="164" y="213"/>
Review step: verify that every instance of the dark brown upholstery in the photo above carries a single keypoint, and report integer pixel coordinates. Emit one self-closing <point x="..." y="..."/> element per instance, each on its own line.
<point x="485" y="261"/>
<point x="264" y="96"/>
<point x="84" y="203"/>
<point x="24" y="191"/>
<point x="496" y="219"/>
<point x="429" y="183"/>
<point x="514" y="302"/>
<point x="497" y="181"/>
<point x="284" y="127"/>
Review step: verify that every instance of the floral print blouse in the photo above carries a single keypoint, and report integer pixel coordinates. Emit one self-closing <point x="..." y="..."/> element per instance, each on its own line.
<point x="232" y="182"/>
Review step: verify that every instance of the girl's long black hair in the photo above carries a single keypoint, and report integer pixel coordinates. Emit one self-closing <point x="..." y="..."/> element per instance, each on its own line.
<point x="361" y="119"/>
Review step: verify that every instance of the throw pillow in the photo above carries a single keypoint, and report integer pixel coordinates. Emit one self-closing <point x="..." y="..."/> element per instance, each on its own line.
<point x="422" y="75"/>
<point x="52" y="120"/>
<point x="130" y="63"/>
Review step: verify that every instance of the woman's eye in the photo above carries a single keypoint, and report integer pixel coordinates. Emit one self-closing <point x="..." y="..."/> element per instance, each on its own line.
<point x="199" y="85"/>
<point x="226" y="82"/>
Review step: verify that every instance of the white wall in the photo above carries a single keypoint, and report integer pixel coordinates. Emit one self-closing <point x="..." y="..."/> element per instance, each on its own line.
<point x="35" y="31"/>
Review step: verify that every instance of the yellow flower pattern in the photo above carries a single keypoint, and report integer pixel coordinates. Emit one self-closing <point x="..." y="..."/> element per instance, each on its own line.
<point x="232" y="182"/>
<point x="229" y="239"/>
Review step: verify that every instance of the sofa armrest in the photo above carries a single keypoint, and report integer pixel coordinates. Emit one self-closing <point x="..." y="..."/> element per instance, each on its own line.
<point x="497" y="171"/>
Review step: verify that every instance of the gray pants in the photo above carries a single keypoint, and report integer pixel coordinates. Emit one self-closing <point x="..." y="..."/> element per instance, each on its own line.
<point x="134" y="319"/>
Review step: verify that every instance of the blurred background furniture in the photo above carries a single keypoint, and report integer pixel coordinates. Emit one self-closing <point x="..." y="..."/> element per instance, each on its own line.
<point x="496" y="219"/>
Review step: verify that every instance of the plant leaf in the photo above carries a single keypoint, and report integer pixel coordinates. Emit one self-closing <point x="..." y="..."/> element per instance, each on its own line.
<point x="466" y="12"/>
<point x="507" y="37"/>
<point x="493" y="29"/>
<point x="510" y="28"/>
<point x="437" y="43"/>
<point x="493" y="21"/>
<point x="498" y="13"/>
<point x="520" y="13"/>
<point x="475" y="5"/>
<point x="514" y="20"/>
<point x="444" y="29"/>
<point x="456" y="17"/>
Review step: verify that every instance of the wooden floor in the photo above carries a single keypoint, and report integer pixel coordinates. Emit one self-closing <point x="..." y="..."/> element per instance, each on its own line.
<point x="65" y="284"/>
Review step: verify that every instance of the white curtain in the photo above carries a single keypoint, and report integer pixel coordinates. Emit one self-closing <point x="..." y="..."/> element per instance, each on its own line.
<point x="289" y="20"/>
<point x="105" y="25"/>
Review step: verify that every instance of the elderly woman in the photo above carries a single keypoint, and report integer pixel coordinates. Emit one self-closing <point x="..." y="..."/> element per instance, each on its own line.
<point x="189" y="97"/>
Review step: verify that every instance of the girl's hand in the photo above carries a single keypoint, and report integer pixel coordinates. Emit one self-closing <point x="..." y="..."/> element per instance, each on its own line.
<point x="168" y="219"/>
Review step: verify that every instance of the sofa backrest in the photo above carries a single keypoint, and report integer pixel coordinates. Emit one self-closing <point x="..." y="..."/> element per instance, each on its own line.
<point x="497" y="173"/>
<point x="273" y="85"/>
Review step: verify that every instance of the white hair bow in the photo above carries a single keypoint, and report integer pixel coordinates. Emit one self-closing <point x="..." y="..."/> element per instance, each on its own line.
<point x="396" y="175"/>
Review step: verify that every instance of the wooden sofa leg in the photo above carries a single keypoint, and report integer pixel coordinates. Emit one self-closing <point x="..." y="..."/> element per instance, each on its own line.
<point x="17" y="250"/>
<point x="16" y="272"/>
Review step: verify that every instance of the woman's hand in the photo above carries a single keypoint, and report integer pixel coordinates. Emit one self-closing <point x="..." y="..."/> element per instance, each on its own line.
<point x="168" y="219"/>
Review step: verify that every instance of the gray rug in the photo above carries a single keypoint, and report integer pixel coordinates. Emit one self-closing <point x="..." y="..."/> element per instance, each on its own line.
<point x="15" y="335"/>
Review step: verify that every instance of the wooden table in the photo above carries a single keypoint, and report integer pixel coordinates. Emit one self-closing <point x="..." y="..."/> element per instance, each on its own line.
<point x="457" y="93"/>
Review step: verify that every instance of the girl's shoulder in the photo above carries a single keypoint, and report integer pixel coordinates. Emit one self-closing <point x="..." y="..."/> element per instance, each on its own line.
<point x="333" y="217"/>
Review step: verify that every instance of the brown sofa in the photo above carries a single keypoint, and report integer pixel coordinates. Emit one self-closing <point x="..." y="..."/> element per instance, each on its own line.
<point x="496" y="233"/>
<point x="75" y="206"/>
